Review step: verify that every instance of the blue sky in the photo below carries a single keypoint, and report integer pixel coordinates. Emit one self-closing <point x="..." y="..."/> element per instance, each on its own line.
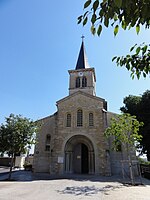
<point x="40" y="42"/>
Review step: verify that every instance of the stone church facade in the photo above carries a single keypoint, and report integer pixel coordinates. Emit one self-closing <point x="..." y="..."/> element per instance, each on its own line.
<point x="71" y="141"/>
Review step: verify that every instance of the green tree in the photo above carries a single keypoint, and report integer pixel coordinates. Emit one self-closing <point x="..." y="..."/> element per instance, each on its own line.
<point x="124" y="130"/>
<point x="123" y="14"/>
<point x="140" y="106"/>
<point x="16" y="135"/>
<point x="131" y="104"/>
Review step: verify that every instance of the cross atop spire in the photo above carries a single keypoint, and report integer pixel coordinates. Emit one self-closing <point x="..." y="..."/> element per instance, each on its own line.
<point x="82" y="61"/>
<point x="82" y="38"/>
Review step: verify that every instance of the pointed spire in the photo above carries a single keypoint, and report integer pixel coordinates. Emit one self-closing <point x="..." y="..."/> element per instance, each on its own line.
<point x="82" y="61"/>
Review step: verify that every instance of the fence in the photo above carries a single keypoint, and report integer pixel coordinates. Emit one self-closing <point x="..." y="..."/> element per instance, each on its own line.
<point x="5" y="161"/>
<point x="145" y="170"/>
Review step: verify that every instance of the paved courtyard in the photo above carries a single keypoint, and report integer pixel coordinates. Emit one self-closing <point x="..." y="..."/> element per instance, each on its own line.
<point x="37" y="187"/>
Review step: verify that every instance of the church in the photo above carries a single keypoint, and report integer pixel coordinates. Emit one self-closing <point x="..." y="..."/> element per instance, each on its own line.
<point x="72" y="141"/>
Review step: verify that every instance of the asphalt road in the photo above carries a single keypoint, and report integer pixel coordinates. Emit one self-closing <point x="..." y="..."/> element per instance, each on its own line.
<point x="30" y="186"/>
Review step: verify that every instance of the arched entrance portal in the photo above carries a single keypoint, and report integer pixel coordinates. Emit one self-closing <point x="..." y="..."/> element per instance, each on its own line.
<point x="79" y="155"/>
<point x="80" y="159"/>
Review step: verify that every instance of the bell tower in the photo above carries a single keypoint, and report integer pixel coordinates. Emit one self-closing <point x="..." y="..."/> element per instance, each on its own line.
<point x="83" y="77"/>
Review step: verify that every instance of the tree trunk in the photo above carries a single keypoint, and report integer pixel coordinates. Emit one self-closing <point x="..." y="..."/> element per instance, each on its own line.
<point x="11" y="166"/>
<point x="131" y="170"/>
<point x="130" y="164"/>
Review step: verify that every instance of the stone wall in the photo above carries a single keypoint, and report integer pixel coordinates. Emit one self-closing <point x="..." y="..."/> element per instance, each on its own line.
<point x="42" y="158"/>
<point x="56" y="126"/>
<point x="106" y="162"/>
<point x="88" y="104"/>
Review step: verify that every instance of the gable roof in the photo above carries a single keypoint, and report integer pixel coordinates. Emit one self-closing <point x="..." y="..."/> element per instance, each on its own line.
<point x="82" y="93"/>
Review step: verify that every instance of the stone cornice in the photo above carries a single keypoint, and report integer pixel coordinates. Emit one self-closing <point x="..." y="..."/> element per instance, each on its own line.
<point x="83" y="70"/>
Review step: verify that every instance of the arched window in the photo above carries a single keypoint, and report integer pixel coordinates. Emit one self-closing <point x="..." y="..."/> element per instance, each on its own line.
<point x="119" y="148"/>
<point x="91" y="119"/>
<point x="47" y="142"/>
<point x="118" y="145"/>
<point x="68" y="120"/>
<point x="78" y="82"/>
<point x="84" y="82"/>
<point x="79" y="118"/>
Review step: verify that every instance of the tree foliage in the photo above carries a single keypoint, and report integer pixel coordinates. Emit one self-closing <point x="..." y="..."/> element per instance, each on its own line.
<point x="125" y="130"/>
<point x="138" y="63"/>
<point x="140" y="106"/>
<point x="131" y="104"/>
<point x="121" y="14"/>
<point x="16" y="135"/>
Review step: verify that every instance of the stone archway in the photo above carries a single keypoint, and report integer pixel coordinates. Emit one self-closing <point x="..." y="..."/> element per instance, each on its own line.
<point x="79" y="155"/>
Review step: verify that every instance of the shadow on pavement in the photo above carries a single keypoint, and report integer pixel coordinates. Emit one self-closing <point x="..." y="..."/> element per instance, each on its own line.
<point x="22" y="175"/>
<point x="87" y="190"/>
